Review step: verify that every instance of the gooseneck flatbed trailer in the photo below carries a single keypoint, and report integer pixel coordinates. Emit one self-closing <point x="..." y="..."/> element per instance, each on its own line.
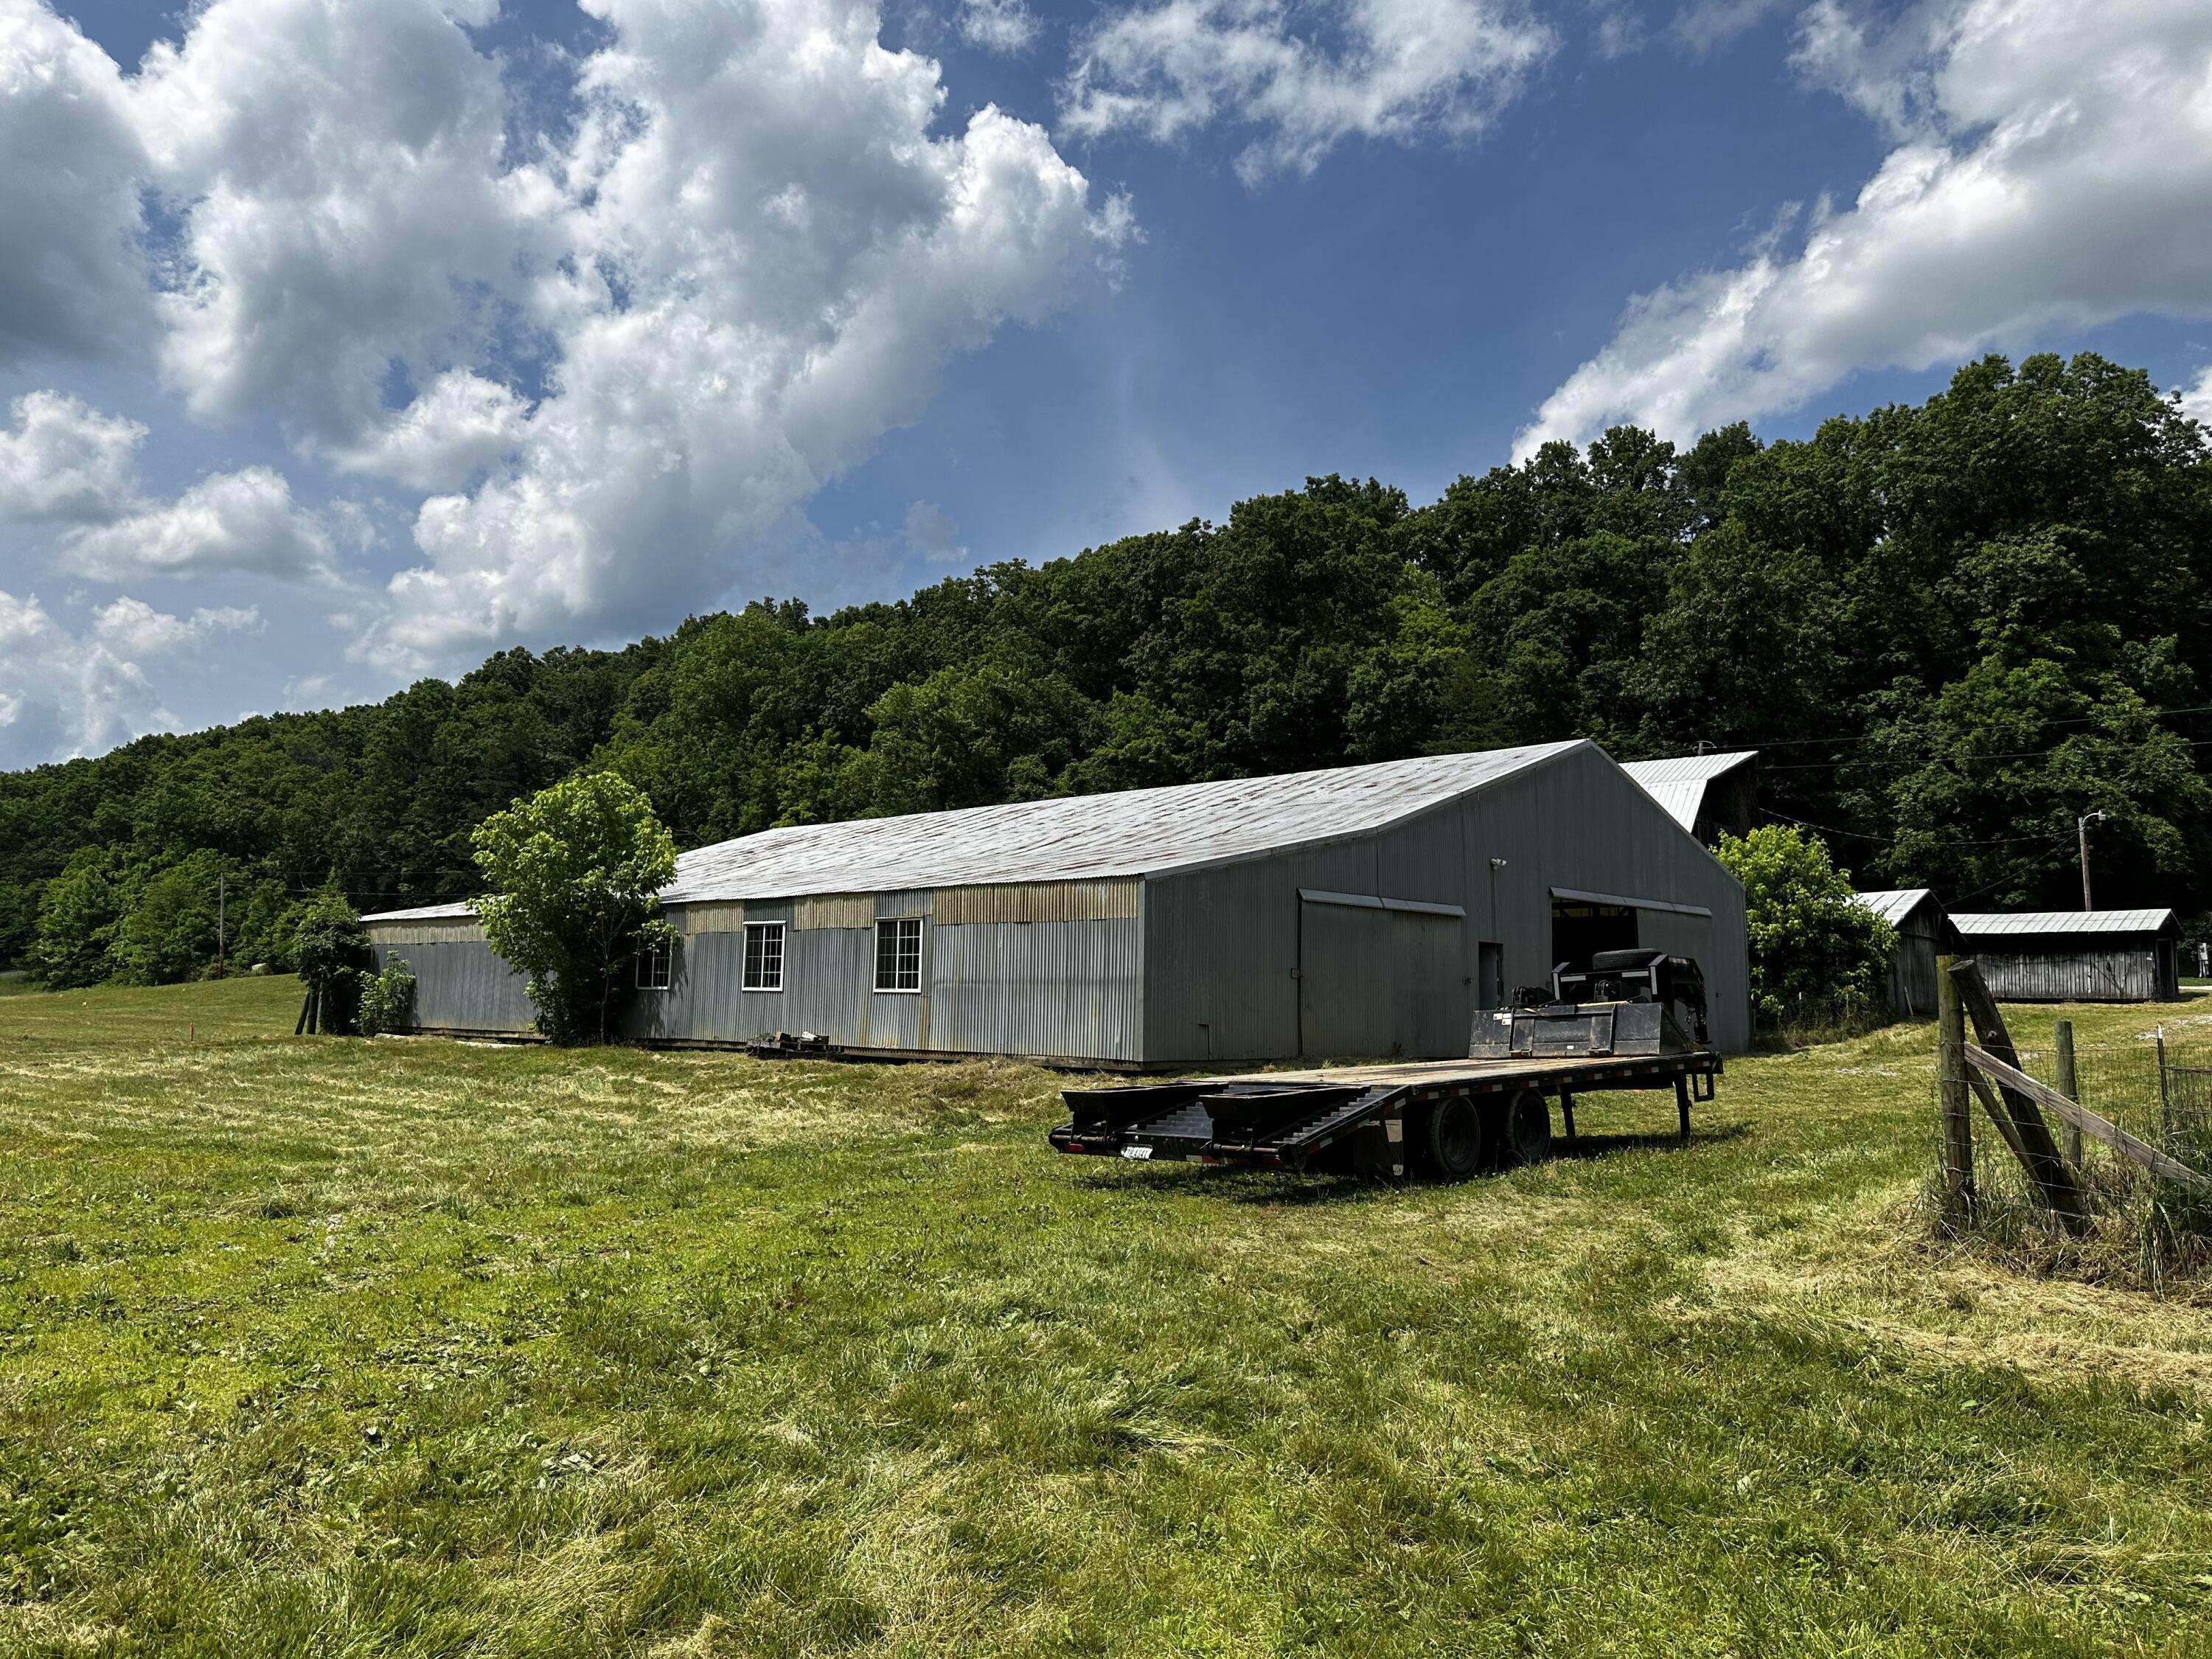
<point x="1445" y="1119"/>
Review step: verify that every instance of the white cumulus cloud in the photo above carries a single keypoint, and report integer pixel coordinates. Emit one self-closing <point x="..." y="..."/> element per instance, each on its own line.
<point x="1397" y="69"/>
<point x="461" y="424"/>
<point x="62" y="462"/>
<point x="2196" y="398"/>
<point x="1706" y="26"/>
<point x="245" y="520"/>
<point x="2052" y="168"/>
<point x="73" y="277"/>
<point x="340" y="168"/>
<point x="930" y="530"/>
<point x="135" y="629"/>
<point x="76" y="693"/>
<point x="611" y="329"/>
<point x="769" y="255"/>
<point x="1004" y="26"/>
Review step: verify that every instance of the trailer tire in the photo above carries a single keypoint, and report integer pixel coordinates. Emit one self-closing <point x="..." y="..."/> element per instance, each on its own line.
<point x="1528" y="1128"/>
<point x="1451" y="1139"/>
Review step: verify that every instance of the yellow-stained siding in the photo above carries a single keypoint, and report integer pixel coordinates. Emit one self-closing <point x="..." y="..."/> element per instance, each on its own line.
<point x="835" y="910"/>
<point x="1039" y="901"/>
<point x="425" y="933"/>
<point x="692" y="918"/>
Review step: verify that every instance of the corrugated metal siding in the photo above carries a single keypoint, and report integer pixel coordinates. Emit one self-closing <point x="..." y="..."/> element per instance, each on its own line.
<point x="1063" y="990"/>
<point x="2059" y="924"/>
<point x="1221" y="945"/>
<point x="1058" y="989"/>
<point x="2104" y="973"/>
<point x="460" y="986"/>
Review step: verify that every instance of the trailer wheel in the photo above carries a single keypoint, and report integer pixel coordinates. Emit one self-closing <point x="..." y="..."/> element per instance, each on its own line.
<point x="1451" y="1138"/>
<point x="1529" y="1128"/>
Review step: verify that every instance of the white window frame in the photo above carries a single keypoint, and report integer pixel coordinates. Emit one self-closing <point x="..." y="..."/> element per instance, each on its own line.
<point x="664" y="956"/>
<point x="764" y="930"/>
<point x="899" y="927"/>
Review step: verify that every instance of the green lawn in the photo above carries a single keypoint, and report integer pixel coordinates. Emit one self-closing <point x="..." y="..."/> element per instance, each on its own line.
<point x="334" y="1347"/>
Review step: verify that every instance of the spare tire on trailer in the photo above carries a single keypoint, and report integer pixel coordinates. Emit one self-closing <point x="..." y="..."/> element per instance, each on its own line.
<point x="1528" y="1129"/>
<point x="1449" y="1139"/>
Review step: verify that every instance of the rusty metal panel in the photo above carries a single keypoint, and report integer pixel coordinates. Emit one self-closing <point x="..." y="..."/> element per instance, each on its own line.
<point x="1038" y="901"/>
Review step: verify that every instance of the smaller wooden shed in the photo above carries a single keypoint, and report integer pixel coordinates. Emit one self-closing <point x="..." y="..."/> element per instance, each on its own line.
<point x="2076" y="956"/>
<point x="1923" y="932"/>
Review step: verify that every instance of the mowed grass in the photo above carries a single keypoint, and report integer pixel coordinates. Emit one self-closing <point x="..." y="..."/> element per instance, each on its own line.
<point x="335" y="1347"/>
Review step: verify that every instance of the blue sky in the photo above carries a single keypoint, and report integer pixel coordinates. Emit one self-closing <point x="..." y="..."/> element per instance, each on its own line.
<point x="345" y="342"/>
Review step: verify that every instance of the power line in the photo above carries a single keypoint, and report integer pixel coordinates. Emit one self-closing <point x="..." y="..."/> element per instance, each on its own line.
<point x="1999" y="754"/>
<point x="1860" y="835"/>
<point x="1848" y="737"/>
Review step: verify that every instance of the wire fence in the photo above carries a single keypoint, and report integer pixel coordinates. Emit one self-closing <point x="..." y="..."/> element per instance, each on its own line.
<point x="2148" y="1231"/>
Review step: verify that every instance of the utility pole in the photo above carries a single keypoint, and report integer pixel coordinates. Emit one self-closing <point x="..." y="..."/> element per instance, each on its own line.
<point x="221" y="908"/>
<point x="2081" y="836"/>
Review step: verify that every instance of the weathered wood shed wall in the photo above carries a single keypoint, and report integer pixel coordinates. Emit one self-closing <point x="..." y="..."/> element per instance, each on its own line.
<point x="1923" y="932"/>
<point x="2086" y="956"/>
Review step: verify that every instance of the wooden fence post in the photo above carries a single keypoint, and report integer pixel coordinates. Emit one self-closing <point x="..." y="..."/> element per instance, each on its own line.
<point x="2039" y="1149"/>
<point x="2069" y="1084"/>
<point x="1951" y="1094"/>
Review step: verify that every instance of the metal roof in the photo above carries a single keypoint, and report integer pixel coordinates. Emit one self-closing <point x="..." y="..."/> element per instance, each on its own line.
<point x="1893" y="905"/>
<point x="1995" y="923"/>
<point x="1131" y="832"/>
<point x="1678" y="783"/>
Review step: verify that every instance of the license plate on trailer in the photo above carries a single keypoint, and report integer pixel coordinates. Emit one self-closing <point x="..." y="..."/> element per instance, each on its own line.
<point x="1136" y="1151"/>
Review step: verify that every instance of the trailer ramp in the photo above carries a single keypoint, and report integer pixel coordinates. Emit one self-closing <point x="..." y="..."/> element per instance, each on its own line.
<point x="1388" y="1120"/>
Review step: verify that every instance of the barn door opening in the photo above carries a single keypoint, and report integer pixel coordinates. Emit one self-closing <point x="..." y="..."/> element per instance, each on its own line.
<point x="1580" y="929"/>
<point x="1380" y="983"/>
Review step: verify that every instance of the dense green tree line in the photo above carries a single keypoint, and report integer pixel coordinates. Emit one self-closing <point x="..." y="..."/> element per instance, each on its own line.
<point x="1950" y="627"/>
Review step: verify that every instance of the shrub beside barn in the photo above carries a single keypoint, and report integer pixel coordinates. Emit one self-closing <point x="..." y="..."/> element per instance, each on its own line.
<point x="1364" y="911"/>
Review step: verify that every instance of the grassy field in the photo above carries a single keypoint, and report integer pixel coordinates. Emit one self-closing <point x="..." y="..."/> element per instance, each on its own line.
<point x="336" y="1346"/>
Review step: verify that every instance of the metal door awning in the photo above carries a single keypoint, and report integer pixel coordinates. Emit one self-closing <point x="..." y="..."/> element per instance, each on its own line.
<point x="1376" y="902"/>
<point x="1576" y="895"/>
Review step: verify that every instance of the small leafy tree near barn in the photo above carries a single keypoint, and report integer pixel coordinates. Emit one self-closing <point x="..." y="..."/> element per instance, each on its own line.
<point x="573" y="872"/>
<point x="1816" y="951"/>
<point x="331" y="949"/>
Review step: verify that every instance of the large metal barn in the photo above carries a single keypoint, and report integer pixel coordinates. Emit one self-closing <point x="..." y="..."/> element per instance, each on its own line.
<point x="1362" y="912"/>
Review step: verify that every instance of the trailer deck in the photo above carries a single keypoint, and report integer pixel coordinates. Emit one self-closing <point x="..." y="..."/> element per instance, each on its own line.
<point x="1371" y="1120"/>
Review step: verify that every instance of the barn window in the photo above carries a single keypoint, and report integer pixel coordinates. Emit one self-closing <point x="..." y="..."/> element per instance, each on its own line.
<point x="898" y="954"/>
<point x="763" y="955"/>
<point x="655" y="966"/>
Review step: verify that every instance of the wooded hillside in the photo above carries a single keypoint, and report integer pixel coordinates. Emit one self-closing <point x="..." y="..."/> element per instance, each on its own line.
<point x="1951" y="628"/>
